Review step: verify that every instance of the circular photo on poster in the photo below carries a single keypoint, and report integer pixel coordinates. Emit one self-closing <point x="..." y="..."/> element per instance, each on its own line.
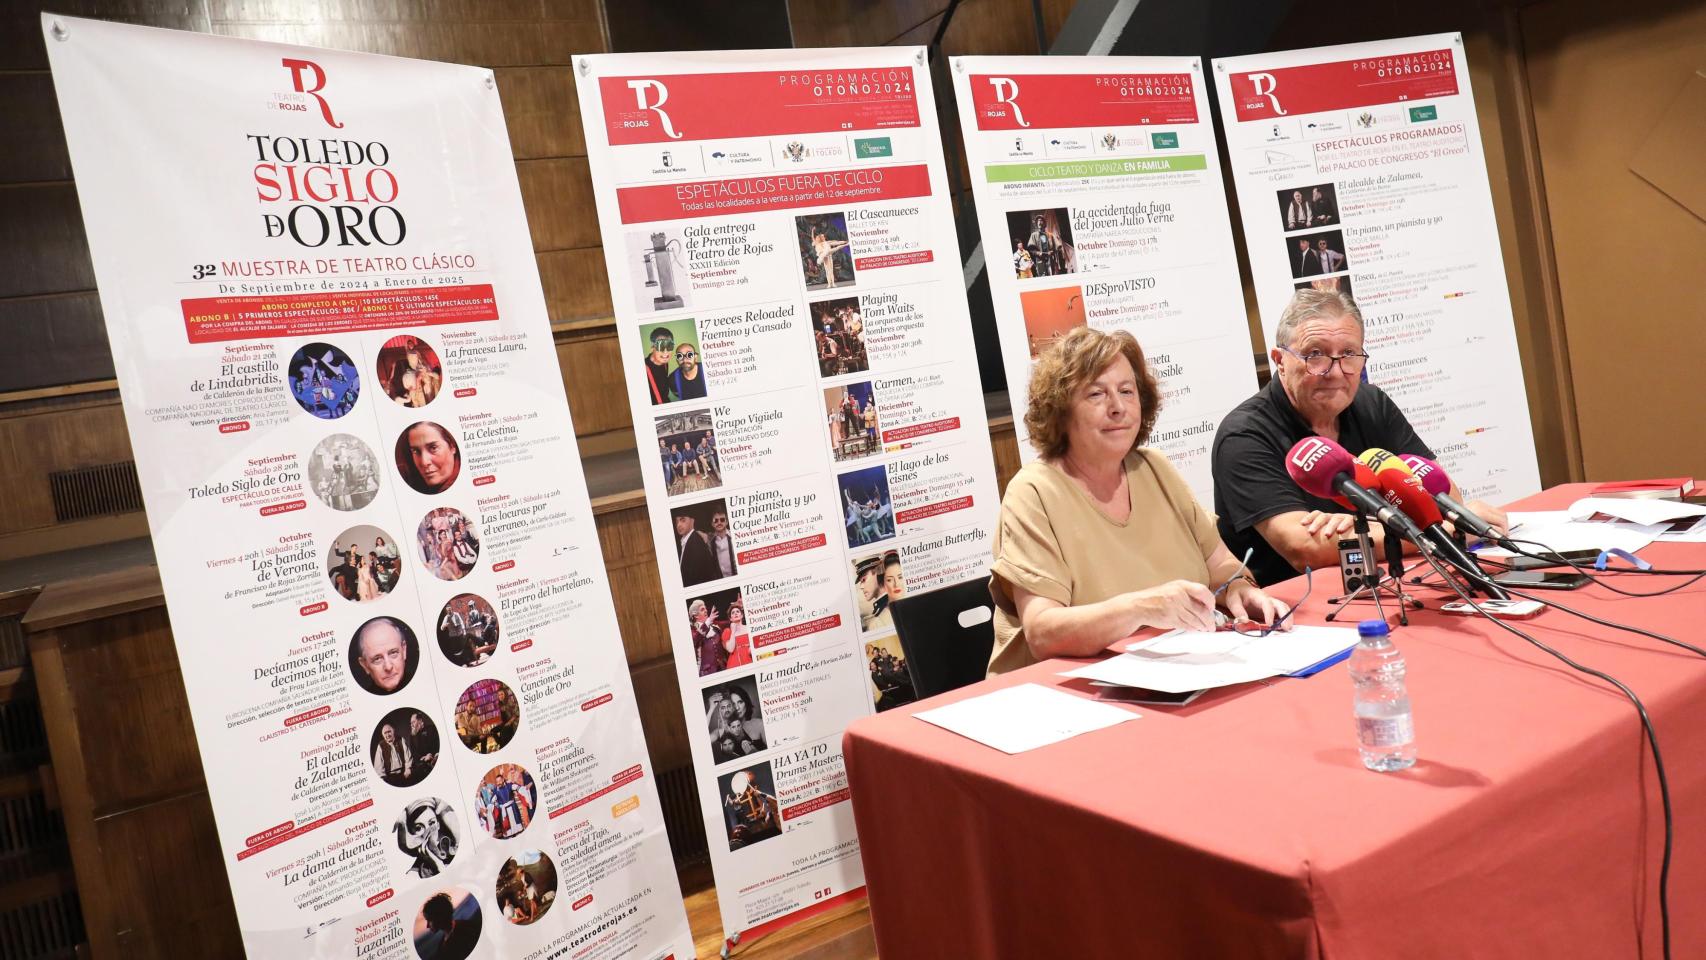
<point x="487" y="715"/>
<point x="383" y="655"/>
<point x="409" y="370"/>
<point x="343" y="472"/>
<point x="428" y="457"/>
<point x="448" y="925"/>
<point x="449" y="545"/>
<point x="527" y="886"/>
<point x="428" y="837"/>
<point x="324" y="380"/>
<point x="468" y="630"/>
<point x="504" y="801"/>
<point x="404" y="747"/>
<point x="363" y="563"/>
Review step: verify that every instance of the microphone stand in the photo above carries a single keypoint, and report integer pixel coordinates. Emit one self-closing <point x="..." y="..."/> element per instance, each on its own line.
<point x="1391" y="581"/>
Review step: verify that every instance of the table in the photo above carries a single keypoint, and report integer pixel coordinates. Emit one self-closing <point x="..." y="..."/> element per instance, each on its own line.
<point x="1243" y="825"/>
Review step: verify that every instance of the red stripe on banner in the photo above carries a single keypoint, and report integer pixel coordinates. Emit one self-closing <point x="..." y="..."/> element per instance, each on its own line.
<point x="774" y="550"/>
<point x="698" y="106"/>
<point x="711" y="198"/>
<point x="1343" y="85"/>
<point x="381" y="897"/>
<point x="305" y="828"/>
<point x="501" y="567"/>
<point x="893" y="260"/>
<point x="1062" y="100"/>
<point x="597" y="701"/>
<point x="621" y="780"/>
<point x="932" y="510"/>
<point x="804" y="913"/>
<point x="216" y="319"/>
<point x="235" y="426"/>
<point x="793" y="631"/>
<point x="274" y="509"/>
<point x="314" y="608"/>
<point x="921" y="429"/>
<point x="523" y="645"/>
<point x="466" y="392"/>
<point x="817" y="803"/>
<point x="304" y="717"/>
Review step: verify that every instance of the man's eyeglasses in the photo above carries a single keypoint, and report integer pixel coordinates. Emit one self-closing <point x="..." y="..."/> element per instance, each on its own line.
<point x="1320" y="364"/>
<point x="720" y="521"/>
<point x="684" y="355"/>
<point x="1253" y="628"/>
<point x="663" y="344"/>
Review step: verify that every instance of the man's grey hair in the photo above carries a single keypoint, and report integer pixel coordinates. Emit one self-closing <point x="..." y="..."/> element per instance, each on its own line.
<point x="695" y="608"/>
<point x="1308" y="304"/>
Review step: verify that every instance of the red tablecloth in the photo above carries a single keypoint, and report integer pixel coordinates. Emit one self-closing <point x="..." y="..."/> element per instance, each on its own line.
<point x="1244" y="825"/>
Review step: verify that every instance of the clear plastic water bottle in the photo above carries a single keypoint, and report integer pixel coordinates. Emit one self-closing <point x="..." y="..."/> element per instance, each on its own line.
<point x="1386" y="736"/>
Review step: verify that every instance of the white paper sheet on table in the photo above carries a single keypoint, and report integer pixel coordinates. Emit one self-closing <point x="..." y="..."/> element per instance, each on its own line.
<point x="1194" y="660"/>
<point x="1635" y="511"/>
<point x="1557" y="531"/>
<point x="1016" y="719"/>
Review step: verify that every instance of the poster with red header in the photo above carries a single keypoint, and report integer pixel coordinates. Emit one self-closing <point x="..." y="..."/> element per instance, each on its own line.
<point x="1359" y="169"/>
<point x="1100" y="204"/>
<point x="388" y="598"/>
<point x="806" y="402"/>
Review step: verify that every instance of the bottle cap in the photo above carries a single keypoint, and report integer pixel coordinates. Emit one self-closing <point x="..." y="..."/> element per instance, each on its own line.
<point x="1373" y="628"/>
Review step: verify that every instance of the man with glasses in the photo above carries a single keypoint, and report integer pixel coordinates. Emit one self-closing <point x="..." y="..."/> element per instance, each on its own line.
<point x="1316" y="390"/>
<point x="687" y="381"/>
<point x="657" y="365"/>
<point x="722" y="545"/>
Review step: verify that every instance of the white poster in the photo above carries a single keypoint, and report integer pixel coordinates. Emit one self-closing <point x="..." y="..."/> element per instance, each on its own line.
<point x="806" y="402"/>
<point x="1359" y="168"/>
<point x="379" y="560"/>
<point x="1100" y="201"/>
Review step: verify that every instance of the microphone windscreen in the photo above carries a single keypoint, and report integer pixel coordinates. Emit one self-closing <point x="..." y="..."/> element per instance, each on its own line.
<point x="1313" y="462"/>
<point x="1401" y="488"/>
<point x="1430" y="473"/>
<point x="1365" y="478"/>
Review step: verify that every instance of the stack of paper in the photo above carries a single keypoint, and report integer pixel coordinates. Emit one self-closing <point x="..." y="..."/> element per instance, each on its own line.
<point x="1193" y="660"/>
<point x="1555" y="530"/>
<point x="1015" y="719"/>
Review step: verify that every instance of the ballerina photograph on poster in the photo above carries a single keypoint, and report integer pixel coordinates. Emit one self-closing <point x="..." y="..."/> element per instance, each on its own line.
<point x="324" y="381"/>
<point x="826" y="259"/>
<point x="409" y="370"/>
<point x="865" y="495"/>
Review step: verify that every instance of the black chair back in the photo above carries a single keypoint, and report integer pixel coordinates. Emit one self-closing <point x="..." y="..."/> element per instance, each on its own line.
<point x="946" y="635"/>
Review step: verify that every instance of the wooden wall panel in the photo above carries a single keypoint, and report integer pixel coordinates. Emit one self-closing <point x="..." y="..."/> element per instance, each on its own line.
<point x="1603" y="79"/>
<point x="49" y="438"/>
<point x="53" y="339"/>
<point x="558" y="195"/>
<point x="592" y="377"/>
<point x="541" y="111"/>
<point x="33" y="148"/>
<point x="42" y="242"/>
<point x="576" y="286"/>
<point x="626" y="538"/>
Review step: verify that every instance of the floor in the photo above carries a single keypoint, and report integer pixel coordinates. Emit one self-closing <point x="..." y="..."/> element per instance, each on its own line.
<point x="843" y="933"/>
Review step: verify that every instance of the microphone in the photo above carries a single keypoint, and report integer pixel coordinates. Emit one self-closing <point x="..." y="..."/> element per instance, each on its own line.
<point x="1401" y="486"/>
<point x="1323" y="468"/>
<point x="1438" y="486"/>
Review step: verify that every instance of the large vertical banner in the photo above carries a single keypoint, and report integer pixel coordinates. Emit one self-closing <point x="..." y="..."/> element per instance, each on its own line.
<point x="1100" y="201"/>
<point x="1359" y="168"/>
<point x="379" y="559"/>
<point x="794" y="329"/>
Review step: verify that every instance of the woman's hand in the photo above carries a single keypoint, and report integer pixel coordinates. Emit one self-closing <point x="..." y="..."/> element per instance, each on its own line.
<point x="1246" y="601"/>
<point x="1184" y="604"/>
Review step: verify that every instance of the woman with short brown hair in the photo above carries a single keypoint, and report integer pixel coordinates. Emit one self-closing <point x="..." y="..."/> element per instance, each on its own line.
<point x="1101" y="537"/>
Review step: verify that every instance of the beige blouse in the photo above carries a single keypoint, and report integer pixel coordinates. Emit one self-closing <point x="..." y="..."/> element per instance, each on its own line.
<point x="1055" y="542"/>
